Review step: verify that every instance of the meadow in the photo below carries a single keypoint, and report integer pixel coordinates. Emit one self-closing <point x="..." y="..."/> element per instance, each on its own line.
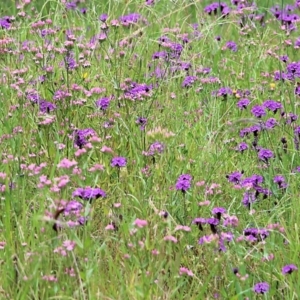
<point x="149" y="149"/>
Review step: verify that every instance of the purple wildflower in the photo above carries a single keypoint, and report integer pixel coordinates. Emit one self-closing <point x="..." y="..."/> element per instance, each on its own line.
<point x="235" y="177"/>
<point x="218" y="211"/>
<point x="142" y="122"/>
<point x="242" y="147"/>
<point x="289" y="269"/>
<point x="5" y="22"/>
<point x="155" y="148"/>
<point x="103" y="103"/>
<point x="243" y="103"/>
<point x="89" y="193"/>
<point x="248" y="199"/>
<point x="199" y="222"/>
<point x="213" y="222"/>
<point x="272" y="105"/>
<point x="271" y="123"/>
<point x="258" y="111"/>
<point x="261" y="288"/>
<point x="265" y="154"/>
<point x="232" y="46"/>
<point x="118" y="162"/>
<point x="46" y="107"/>
<point x="81" y="135"/>
<point x="188" y="81"/>
<point x="103" y="18"/>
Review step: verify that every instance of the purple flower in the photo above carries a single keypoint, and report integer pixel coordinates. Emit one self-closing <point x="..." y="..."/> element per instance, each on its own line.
<point x="218" y="211"/>
<point x="242" y="147"/>
<point x="258" y="111"/>
<point x="272" y="105"/>
<point x="118" y="162"/>
<point x="183" y="182"/>
<point x="103" y="18"/>
<point x="265" y="154"/>
<point x="224" y="92"/>
<point x="161" y="54"/>
<point x="71" y="5"/>
<point x="252" y="180"/>
<point x="155" y="148"/>
<point x="235" y="177"/>
<point x="130" y="19"/>
<point x="81" y="135"/>
<point x="5" y="22"/>
<point x="72" y="207"/>
<point x="213" y="222"/>
<point x="248" y="199"/>
<point x="183" y="185"/>
<point x="199" y="222"/>
<point x="142" y="122"/>
<point x="256" y="234"/>
<point x="103" y="103"/>
<point x="46" y="107"/>
<point x="232" y="46"/>
<point x="261" y="288"/>
<point x="188" y="81"/>
<point x="243" y="103"/>
<point x="89" y="193"/>
<point x="289" y="269"/>
<point x="280" y="180"/>
<point x="271" y="123"/>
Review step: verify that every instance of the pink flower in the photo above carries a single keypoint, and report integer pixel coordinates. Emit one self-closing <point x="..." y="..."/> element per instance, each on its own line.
<point x="50" y="278"/>
<point x="186" y="271"/>
<point x="106" y="149"/>
<point x="67" y="164"/>
<point x="170" y="238"/>
<point x="184" y="228"/>
<point x="110" y="227"/>
<point x="140" y="223"/>
<point x="69" y="245"/>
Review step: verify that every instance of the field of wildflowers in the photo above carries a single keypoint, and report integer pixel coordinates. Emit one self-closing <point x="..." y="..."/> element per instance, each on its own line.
<point x="150" y="149"/>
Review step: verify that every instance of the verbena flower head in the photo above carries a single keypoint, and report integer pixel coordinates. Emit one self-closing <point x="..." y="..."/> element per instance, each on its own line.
<point x="89" y="193"/>
<point x="118" y="162"/>
<point x="265" y="154"/>
<point x="243" y="103"/>
<point x="188" y="81"/>
<point x="103" y="103"/>
<point x="183" y="182"/>
<point x="261" y="288"/>
<point x="155" y="148"/>
<point x="232" y="46"/>
<point x="81" y="136"/>
<point x="103" y="17"/>
<point x="235" y="177"/>
<point x="272" y="105"/>
<point x="142" y="122"/>
<point x="289" y="269"/>
<point x="258" y="111"/>
<point x="256" y="234"/>
<point x="218" y="211"/>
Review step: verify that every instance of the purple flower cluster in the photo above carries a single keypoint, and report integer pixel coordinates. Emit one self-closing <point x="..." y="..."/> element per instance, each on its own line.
<point x="138" y="91"/>
<point x="103" y="103"/>
<point x="89" y="193"/>
<point x="212" y="9"/>
<point x="261" y="288"/>
<point x="289" y="269"/>
<point x="183" y="182"/>
<point x="155" y="148"/>
<point x="118" y="162"/>
<point x="188" y="81"/>
<point x="232" y="46"/>
<point x="256" y="234"/>
<point x="5" y="22"/>
<point x="81" y="135"/>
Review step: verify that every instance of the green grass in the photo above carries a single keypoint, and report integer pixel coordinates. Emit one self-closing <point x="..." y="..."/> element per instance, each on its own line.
<point x="133" y="262"/>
